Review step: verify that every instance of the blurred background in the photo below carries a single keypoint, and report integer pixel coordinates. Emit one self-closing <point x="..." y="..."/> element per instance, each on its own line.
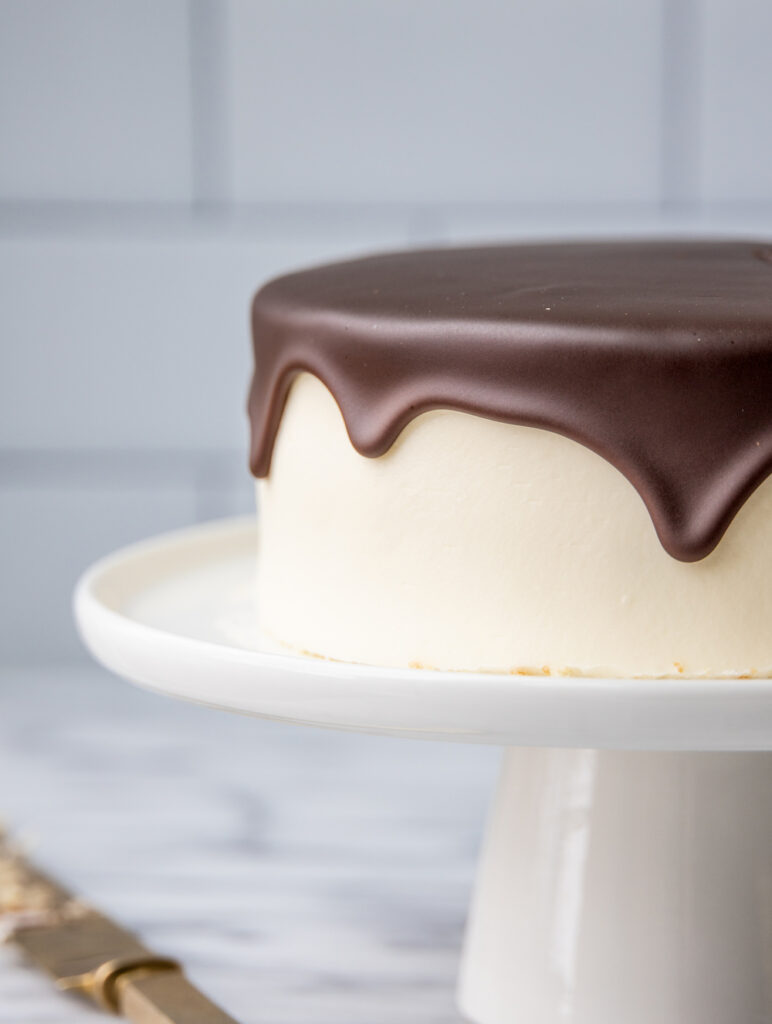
<point x="159" y="160"/>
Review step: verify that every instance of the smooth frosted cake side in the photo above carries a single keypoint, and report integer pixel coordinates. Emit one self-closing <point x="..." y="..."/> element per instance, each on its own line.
<point x="562" y="471"/>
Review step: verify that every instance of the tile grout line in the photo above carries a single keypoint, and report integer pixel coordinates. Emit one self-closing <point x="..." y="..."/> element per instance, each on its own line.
<point x="75" y="468"/>
<point x="680" y="85"/>
<point x="210" y="142"/>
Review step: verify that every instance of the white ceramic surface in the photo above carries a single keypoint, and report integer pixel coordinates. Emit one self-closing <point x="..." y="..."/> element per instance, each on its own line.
<point x="178" y="614"/>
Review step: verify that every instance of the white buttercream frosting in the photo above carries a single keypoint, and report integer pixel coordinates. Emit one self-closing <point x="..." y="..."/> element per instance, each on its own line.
<point x="478" y="545"/>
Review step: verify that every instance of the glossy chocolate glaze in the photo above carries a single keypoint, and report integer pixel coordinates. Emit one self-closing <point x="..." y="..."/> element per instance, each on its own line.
<point x="656" y="355"/>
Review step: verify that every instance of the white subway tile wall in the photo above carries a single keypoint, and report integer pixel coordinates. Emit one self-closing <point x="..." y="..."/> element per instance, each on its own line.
<point x="735" y="128"/>
<point x="421" y="100"/>
<point x="158" y="161"/>
<point x="95" y="100"/>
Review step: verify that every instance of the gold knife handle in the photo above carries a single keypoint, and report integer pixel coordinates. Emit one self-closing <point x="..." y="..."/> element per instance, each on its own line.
<point x="100" y="984"/>
<point x="165" y="997"/>
<point x="86" y="952"/>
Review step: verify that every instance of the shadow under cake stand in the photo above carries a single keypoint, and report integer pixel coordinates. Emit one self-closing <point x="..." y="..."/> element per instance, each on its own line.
<point x="626" y="873"/>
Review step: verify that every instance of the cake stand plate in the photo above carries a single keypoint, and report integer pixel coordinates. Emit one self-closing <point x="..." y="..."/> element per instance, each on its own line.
<point x="178" y="614"/>
<point x="627" y="869"/>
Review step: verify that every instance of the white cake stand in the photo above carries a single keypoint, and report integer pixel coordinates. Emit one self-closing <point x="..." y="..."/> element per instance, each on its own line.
<point x="626" y="876"/>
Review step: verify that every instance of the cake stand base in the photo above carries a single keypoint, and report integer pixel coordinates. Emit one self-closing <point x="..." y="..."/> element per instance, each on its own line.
<point x="624" y="886"/>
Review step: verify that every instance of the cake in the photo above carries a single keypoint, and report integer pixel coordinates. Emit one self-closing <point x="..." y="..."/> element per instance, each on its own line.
<point x="535" y="459"/>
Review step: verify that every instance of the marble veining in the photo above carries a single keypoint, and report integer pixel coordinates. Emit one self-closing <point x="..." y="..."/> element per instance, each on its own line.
<point x="301" y="875"/>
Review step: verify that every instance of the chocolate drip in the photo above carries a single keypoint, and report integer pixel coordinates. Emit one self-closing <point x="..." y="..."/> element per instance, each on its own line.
<point x="656" y="355"/>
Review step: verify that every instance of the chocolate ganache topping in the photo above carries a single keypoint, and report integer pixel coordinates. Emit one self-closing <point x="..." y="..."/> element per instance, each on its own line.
<point x="656" y="355"/>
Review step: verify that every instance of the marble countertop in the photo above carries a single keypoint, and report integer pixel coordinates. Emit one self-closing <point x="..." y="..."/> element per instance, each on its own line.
<point x="302" y="876"/>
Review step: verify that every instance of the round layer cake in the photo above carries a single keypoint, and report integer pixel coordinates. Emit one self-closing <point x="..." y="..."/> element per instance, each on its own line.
<point x="538" y="459"/>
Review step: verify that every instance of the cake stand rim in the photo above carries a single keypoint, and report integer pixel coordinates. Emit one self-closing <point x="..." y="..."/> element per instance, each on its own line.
<point x="679" y="713"/>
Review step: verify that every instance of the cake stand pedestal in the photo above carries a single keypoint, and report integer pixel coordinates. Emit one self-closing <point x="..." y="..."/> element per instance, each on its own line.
<point x="624" y="887"/>
<point x="627" y="871"/>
